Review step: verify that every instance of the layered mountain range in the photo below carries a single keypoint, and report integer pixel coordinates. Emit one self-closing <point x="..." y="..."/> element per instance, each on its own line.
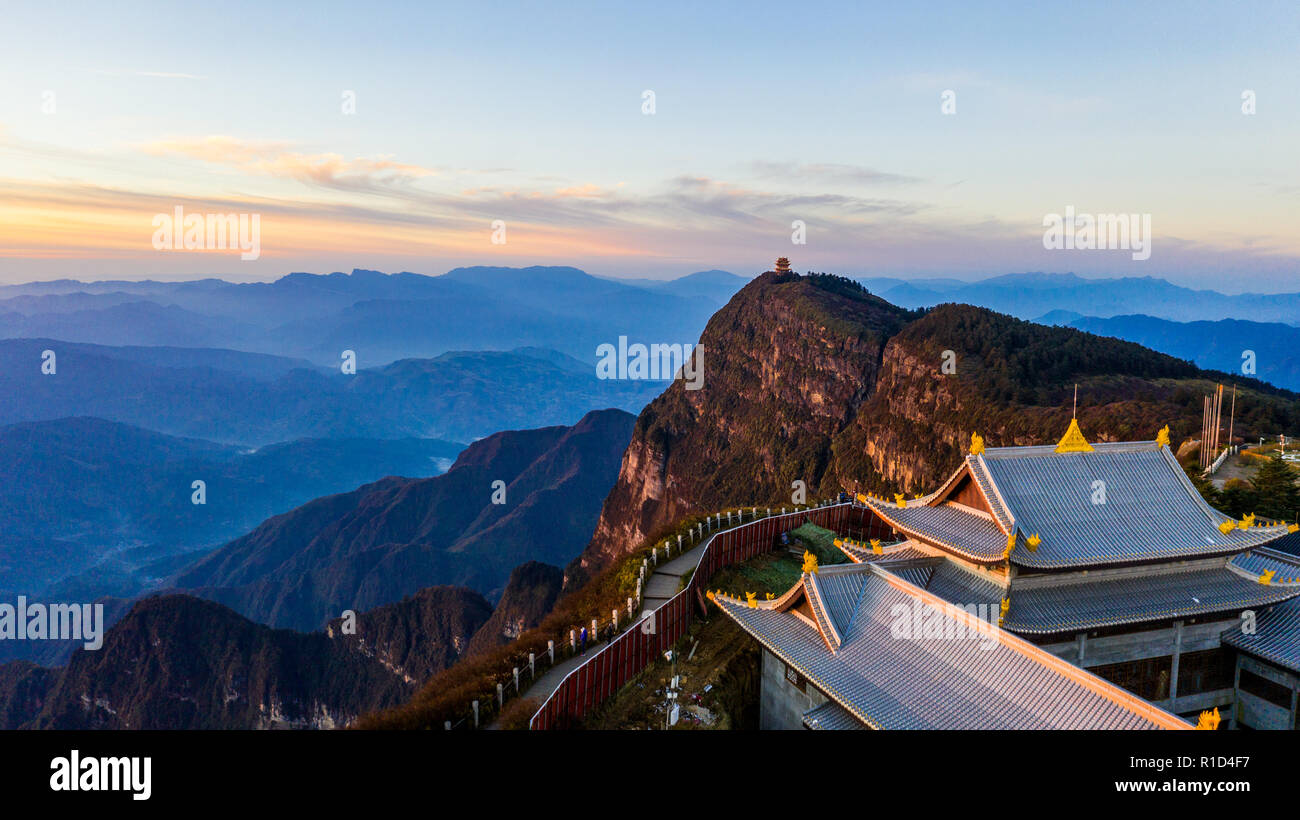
<point x="806" y="379"/>
<point x="1039" y="296"/>
<point x="94" y="507"/>
<point x="253" y="399"/>
<point x="513" y="497"/>
<point x="381" y="317"/>
<point x="179" y="662"/>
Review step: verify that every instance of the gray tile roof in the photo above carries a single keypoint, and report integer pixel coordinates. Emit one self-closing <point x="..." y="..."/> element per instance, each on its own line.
<point x="962" y="587"/>
<point x="831" y="716"/>
<point x="984" y="679"/>
<point x="918" y="574"/>
<point x="1276" y="638"/>
<point x="863" y="554"/>
<point x="1285" y="567"/>
<point x="954" y="528"/>
<point x="1087" y="602"/>
<point x="1151" y="511"/>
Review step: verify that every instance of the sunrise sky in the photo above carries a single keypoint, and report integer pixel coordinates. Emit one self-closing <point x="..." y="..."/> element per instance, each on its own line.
<point x="532" y="113"/>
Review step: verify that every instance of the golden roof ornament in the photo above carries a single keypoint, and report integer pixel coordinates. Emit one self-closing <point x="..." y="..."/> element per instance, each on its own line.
<point x="1034" y="541"/>
<point x="1073" y="440"/>
<point x="1162" y="438"/>
<point x="900" y="500"/>
<point x="875" y="546"/>
<point x="809" y="563"/>
<point x="976" y="444"/>
<point x="1208" y="720"/>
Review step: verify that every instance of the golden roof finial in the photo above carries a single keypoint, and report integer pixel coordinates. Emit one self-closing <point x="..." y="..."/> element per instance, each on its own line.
<point x="976" y="444"/>
<point x="1162" y="438"/>
<point x="1073" y="440"/>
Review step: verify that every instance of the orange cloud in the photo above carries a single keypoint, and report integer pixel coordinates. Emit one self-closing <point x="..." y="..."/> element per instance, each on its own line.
<point x="274" y="159"/>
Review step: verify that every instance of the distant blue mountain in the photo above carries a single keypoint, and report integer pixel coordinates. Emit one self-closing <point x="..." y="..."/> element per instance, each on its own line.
<point x="1032" y="295"/>
<point x="255" y="399"/>
<point x="1220" y="345"/>
<point x="87" y="503"/>
<point x="383" y="317"/>
<point x="717" y="286"/>
<point x="1059" y="317"/>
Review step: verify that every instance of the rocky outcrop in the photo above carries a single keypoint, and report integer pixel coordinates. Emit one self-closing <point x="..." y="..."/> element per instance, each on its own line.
<point x="419" y="635"/>
<point x="529" y="595"/>
<point x="786" y="364"/>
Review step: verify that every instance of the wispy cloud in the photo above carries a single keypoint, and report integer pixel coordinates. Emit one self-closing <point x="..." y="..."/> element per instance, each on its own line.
<point x="166" y="75"/>
<point x="833" y="173"/>
<point x="275" y="159"/>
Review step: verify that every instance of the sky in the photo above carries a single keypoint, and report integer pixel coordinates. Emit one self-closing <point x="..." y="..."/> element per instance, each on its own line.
<point x="396" y="136"/>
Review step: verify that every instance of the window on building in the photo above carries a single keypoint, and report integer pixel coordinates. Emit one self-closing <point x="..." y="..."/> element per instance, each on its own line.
<point x="1274" y="693"/>
<point x="796" y="680"/>
<point x="1147" y="678"/>
<point x="1204" y="672"/>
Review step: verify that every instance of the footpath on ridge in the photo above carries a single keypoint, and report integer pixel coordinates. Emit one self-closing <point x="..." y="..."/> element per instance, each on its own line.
<point x="660" y="587"/>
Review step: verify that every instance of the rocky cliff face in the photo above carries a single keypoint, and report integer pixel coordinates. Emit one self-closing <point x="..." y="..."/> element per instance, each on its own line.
<point x="419" y="635"/>
<point x="529" y="596"/>
<point x="786" y="365"/>
<point x="177" y="662"/>
<point x="812" y="378"/>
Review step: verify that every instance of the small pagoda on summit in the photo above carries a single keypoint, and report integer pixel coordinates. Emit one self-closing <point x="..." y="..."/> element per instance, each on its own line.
<point x="782" y="265"/>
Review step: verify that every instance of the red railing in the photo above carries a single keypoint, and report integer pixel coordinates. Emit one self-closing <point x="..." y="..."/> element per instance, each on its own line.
<point x="608" y="670"/>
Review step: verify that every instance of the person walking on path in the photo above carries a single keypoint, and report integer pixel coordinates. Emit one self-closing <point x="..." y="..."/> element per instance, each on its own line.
<point x="583" y="641"/>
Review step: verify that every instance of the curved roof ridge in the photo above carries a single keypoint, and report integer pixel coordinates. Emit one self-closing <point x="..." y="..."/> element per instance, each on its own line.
<point x="824" y="623"/>
<point x="1002" y="512"/>
<point x="992" y="555"/>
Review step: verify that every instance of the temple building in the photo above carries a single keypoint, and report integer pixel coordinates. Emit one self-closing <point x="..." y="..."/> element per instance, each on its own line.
<point x="1111" y="593"/>
<point x="782" y="265"/>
